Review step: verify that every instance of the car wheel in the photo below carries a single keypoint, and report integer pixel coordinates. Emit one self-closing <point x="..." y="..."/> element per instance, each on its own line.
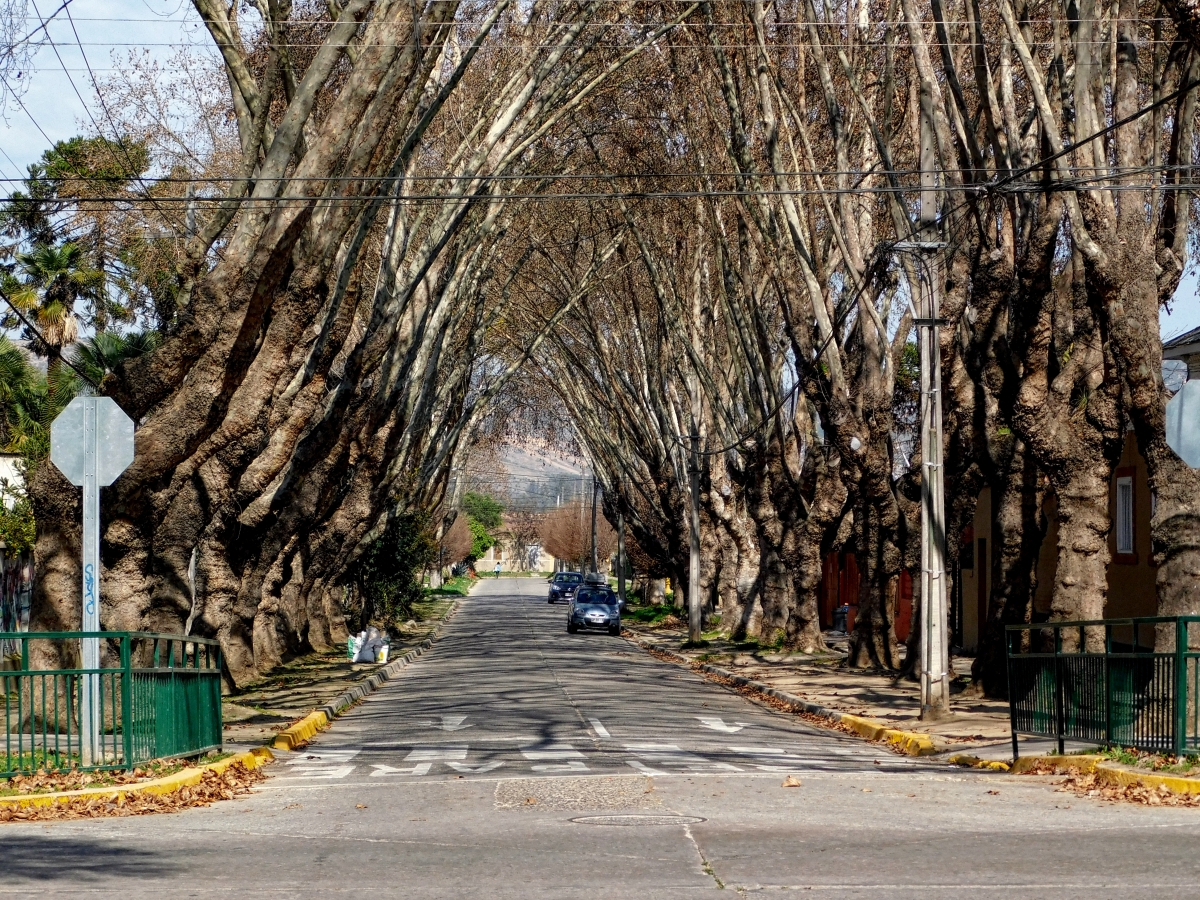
<point x="614" y="630"/>
<point x="572" y="628"/>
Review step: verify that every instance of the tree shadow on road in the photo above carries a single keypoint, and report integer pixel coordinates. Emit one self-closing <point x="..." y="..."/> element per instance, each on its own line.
<point x="48" y="858"/>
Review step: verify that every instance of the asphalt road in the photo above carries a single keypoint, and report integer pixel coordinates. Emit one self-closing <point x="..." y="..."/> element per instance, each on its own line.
<point x="516" y="761"/>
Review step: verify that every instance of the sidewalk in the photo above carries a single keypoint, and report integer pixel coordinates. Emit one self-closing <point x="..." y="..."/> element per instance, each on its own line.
<point x="977" y="725"/>
<point x="293" y="690"/>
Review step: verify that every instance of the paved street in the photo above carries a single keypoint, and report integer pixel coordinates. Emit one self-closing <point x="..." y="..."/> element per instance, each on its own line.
<point x="514" y="760"/>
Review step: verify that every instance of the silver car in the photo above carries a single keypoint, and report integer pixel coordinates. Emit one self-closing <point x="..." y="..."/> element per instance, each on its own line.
<point x="592" y="607"/>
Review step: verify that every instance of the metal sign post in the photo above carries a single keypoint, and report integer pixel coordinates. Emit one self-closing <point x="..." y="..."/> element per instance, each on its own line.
<point x="91" y="442"/>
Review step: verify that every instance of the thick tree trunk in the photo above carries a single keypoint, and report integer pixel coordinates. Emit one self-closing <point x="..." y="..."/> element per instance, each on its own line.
<point x="1018" y="528"/>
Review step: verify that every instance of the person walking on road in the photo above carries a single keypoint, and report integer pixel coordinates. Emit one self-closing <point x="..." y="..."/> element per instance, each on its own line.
<point x="497" y="568"/>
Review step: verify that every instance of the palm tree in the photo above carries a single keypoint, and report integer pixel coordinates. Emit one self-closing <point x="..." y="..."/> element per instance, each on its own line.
<point x="96" y="356"/>
<point x="54" y="280"/>
<point x="27" y="406"/>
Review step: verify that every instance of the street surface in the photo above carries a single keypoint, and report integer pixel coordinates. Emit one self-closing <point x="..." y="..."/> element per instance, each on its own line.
<point x="517" y="761"/>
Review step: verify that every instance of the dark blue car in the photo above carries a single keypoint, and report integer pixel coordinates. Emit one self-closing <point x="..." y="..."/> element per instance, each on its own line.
<point x="562" y="585"/>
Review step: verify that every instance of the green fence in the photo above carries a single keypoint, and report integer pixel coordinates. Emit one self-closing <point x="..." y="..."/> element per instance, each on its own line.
<point x="1123" y="682"/>
<point x="157" y="695"/>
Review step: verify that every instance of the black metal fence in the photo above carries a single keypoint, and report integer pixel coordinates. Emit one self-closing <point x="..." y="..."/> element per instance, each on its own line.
<point x="1124" y="682"/>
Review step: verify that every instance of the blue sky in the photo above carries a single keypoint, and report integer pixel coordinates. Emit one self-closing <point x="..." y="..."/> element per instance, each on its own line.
<point x="108" y="29"/>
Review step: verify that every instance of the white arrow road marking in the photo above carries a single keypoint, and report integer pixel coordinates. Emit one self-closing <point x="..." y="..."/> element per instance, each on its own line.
<point x="475" y="770"/>
<point x="418" y="769"/>
<point x="672" y="755"/>
<point x="449" y="723"/>
<point x="330" y="772"/>
<point x="645" y="769"/>
<point x="771" y="759"/>
<point x="324" y="757"/>
<point x="718" y="724"/>
<point x="600" y="730"/>
<point x="569" y="756"/>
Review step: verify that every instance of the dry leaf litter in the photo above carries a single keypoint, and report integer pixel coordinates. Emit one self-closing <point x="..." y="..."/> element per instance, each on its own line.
<point x="236" y="780"/>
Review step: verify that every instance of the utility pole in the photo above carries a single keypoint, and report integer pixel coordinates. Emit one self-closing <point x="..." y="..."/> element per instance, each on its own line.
<point x="621" y="557"/>
<point x="935" y="650"/>
<point x="595" y="492"/>
<point x="693" y="589"/>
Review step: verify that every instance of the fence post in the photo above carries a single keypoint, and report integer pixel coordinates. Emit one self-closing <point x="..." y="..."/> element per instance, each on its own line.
<point x="1060" y="720"/>
<point x="1108" y="701"/>
<point x="1012" y="705"/>
<point x="127" y="701"/>
<point x="1181" y="706"/>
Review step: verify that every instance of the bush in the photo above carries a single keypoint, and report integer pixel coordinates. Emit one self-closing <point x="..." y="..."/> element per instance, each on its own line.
<point x="390" y="572"/>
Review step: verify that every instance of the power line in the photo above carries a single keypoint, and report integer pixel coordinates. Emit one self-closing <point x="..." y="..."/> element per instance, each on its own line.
<point x="581" y="176"/>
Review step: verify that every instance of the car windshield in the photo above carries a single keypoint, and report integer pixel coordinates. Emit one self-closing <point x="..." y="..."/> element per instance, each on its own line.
<point x="566" y="579"/>
<point x="600" y="598"/>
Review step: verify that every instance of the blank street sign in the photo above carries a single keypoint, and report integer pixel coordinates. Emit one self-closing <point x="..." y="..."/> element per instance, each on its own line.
<point x="92" y="428"/>
<point x="91" y="442"/>
<point x="1183" y="423"/>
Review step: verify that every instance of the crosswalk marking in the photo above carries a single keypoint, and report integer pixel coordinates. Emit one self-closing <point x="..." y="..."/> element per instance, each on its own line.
<point x="551" y="751"/>
<point x="434" y="754"/>
<point x="418" y="769"/>
<point x="475" y="770"/>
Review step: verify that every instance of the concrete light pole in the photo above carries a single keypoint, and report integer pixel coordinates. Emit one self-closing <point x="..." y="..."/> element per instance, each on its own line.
<point x="621" y="558"/>
<point x="595" y="492"/>
<point x="695" y="611"/>
<point x="935" y="650"/>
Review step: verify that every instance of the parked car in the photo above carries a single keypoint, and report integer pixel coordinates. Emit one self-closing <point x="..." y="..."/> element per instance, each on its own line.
<point x="562" y="584"/>
<point x="594" y="606"/>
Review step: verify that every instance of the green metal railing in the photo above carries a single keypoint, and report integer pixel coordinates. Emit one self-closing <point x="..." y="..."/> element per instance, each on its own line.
<point x="156" y="696"/>
<point x="1104" y="682"/>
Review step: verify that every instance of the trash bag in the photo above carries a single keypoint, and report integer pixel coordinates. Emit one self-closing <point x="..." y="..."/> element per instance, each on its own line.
<point x="371" y="645"/>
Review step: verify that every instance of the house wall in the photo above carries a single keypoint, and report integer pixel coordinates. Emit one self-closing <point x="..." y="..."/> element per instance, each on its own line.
<point x="1131" y="579"/>
<point x="975" y="553"/>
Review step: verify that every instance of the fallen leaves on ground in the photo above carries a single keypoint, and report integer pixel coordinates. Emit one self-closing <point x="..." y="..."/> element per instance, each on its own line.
<point x="213" y="786"/>
<point x="43" y="781"/>
<point x="792" y="781"/>
<point x="1088" y="785"/>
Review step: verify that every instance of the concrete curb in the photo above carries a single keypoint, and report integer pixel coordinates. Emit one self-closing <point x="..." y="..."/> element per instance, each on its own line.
<point x="168" y="784"/>
<point x="1108" y="771"/>
<point x="910" y="743"/>
<point x="974" y="762"/>
<point x="318" y="720"/>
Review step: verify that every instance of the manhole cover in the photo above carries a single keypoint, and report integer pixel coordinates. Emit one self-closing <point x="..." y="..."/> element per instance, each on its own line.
<point x="638" y="820"/>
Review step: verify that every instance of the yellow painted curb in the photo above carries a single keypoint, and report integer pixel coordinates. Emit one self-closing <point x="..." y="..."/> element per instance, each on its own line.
<point x="974" y="762"/>
<point x="1106" y="770"/>
<point x="912" y="743"/>
<point x="1085" y="763"/>
<point x="168" y="784"/>
<point x="1173" y="783"/>
<point x="294" y="735"/>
